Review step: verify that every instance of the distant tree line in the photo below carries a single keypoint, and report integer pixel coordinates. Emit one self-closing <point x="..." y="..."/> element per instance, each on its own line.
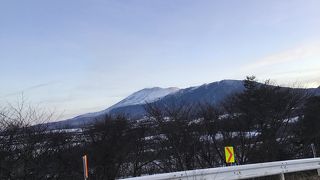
<point x="263" y="123"/>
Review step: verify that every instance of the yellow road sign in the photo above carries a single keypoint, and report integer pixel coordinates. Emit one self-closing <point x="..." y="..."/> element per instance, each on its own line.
<point x="229" y="153"/>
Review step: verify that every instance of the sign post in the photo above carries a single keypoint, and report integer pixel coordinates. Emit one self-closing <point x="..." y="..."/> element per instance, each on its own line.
<point x="85" y="167"/>
<point x="229" y="154"/>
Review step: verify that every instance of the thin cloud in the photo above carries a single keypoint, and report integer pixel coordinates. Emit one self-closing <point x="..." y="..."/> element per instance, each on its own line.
<point x="301" y="72"/>
<point x="37" y="86"/>
<point x="294" y="54"/>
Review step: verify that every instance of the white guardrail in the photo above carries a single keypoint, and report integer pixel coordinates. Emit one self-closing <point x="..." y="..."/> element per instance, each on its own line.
<point x="240" y="172"/>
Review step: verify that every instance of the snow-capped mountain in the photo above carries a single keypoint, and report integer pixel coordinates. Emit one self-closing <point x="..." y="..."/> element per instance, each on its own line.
<point x="212" y="93"/>
<point x="147" y="95"/>
<point x="134" y="105"/>
<point x="143" y="96"/>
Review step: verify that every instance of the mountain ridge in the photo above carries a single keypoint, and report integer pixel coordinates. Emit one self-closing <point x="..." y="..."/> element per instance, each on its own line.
<point x="134" y="105"/>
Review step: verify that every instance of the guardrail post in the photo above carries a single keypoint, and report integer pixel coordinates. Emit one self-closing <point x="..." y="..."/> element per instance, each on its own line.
<point x="282" y="176"/>
<point x="315" y="155"/>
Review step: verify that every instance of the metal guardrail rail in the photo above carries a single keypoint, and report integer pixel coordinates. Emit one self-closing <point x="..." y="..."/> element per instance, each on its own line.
<point x="240" y="172"/>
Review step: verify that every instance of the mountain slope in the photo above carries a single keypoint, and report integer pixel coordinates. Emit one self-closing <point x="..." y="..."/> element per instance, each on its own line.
<point x="143" y="96"/>
<point x="212" y="93"/>
<point x="133" y="105"/>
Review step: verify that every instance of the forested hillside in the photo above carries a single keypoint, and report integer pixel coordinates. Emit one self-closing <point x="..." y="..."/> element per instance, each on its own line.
<point x="263" y="123"/>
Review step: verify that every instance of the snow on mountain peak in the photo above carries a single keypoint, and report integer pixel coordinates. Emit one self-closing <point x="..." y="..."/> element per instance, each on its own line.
<point x="145" y="96"/>
<point x="149" y="95"/>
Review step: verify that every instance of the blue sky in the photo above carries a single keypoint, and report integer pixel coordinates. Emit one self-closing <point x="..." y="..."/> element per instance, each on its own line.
<point x="78" y="56"/>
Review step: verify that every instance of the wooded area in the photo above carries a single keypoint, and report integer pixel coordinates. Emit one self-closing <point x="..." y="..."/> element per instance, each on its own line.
<point x="264" y="123"/>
